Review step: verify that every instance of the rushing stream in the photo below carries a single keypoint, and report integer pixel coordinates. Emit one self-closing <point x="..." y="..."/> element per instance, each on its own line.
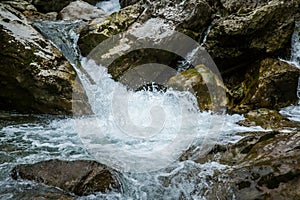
<point x="32" y="138"/>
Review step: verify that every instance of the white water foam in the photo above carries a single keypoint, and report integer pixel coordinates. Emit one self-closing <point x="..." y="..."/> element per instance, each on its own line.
<point x="145" y="131"/>
<point x="109" y="6"/>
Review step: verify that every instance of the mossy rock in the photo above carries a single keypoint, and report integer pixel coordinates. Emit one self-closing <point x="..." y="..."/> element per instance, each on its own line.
<point x="204" y="84"/>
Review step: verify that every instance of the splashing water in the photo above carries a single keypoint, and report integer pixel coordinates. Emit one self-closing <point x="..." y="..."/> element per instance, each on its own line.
<point x="293" y="112"/>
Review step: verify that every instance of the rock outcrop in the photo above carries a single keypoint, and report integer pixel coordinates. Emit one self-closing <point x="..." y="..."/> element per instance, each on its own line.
<point x="80" y="10"/>
<point x="55" y="5"/>
<point x="118" y="22"/>
<point x="265" y="165"/>
<point x="80" y="177"/>
<point x="238" y="40"/>
<point x="270" y="84"/>
<point x="35" y="77"/>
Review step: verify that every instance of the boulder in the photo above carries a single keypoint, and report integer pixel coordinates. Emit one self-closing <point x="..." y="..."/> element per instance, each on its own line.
<point x="189" y="17"/>
<point x="118" y="22"/>
<point x="240" y="39"/>
<point x="125" y="3"/>
<point x="20" y="5"/>
<point x="271" y="84"/>
<point x="81" y="177"/>
<point x="232" y="6"/>
<point x="265" y="165"/>
<point x="204" y="84"/>
<point x="55" y="5"/>
<point x="80" y="10"/>
<point x="35" y="77"/>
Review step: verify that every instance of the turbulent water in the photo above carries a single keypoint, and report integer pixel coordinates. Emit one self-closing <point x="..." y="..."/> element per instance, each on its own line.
<point x="131" y="131"/>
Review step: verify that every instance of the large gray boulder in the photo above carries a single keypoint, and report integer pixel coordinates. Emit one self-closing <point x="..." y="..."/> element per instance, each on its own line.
<point x="34" y="76"/>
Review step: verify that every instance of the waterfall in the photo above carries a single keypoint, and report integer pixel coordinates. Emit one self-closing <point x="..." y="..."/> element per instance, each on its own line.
<point x="293" y="112"/>
<point x="64" y="35"/>
<point x="295" y="54"/>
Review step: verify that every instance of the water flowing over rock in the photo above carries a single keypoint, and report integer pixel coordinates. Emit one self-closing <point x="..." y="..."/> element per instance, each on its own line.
<point x="80" y="177"/>
<point x="35" y="76"/>
<point x="237" y="40"/>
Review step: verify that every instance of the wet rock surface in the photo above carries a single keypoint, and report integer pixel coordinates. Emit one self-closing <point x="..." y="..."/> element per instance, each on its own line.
<point x="242" y="38"/>
<point x="80" y="177"/>
<point x="35" y="76"/>
<point x="80" y="10"/>
<point x="268" y="119"/>
<point x="116" y="23"/>
<point x="264" y="165"/>
<point x="207" y="87"/>
<point x="55" y="5"/>
<point x="270" y="84"/>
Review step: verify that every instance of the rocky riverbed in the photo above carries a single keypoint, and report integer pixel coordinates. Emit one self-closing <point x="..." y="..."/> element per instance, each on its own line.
<point x="243" y="59"/>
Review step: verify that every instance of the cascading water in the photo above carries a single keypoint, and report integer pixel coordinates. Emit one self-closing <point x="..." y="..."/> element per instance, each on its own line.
<point x="293" y="112"/>
<point x="29" y="139"/>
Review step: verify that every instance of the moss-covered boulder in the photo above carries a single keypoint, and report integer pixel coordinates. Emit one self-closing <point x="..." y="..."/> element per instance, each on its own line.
<point x="245" y="37"/>
<point x="34" y="76"/>
<point x="207" y="87"/>
<point x="269" y="84"/>
<point x="81" y="177"/>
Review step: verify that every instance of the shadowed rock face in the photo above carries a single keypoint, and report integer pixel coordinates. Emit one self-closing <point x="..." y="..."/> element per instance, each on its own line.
<point x="270" y="84"/>
<point x="55" y="5"/>
<point x="80" y="177"/>
<point x="239" y="39"/>
<point x="35" y="77"/>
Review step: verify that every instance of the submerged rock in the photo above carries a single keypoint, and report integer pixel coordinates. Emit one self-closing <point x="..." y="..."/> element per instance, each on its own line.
<point x="80" y="177"/>
<point x="35" y="76"/>
<point x="270" y="84"/>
